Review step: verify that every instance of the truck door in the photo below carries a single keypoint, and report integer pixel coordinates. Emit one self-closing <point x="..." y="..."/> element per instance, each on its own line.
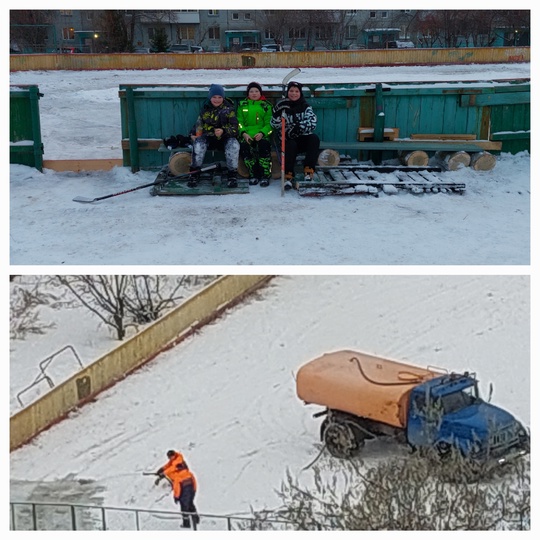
<point x="424" y="419"/>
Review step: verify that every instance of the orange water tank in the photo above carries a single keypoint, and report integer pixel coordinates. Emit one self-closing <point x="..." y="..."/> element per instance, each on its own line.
<point x="361" y="384"/>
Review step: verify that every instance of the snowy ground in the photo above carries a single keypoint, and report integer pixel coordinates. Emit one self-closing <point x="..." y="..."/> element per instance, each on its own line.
<point x="226" y="397"/>
<point x="80" y="118"/>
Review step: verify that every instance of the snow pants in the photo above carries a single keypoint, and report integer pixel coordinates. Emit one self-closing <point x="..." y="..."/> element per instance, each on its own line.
<point x="187" y="504"/>
<point x="228" y="145"/>
<point x="308" y="144"/>
<point x="257" y="157"/>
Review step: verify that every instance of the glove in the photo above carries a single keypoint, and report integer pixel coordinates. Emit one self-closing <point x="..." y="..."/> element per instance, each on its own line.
<point x="183" y="141"/>
<point x="280" y="108"/>
<point x="171" y="142"/>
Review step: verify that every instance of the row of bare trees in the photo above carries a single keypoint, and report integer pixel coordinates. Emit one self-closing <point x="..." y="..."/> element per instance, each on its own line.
<point x="329" y="28"/>
<point x="120" y="302"/>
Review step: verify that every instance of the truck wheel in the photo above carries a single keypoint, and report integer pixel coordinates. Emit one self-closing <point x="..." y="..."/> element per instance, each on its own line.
<point x="343" y="439"/>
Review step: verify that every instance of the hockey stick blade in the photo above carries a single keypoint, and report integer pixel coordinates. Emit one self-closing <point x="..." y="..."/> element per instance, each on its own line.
<point x="80" y="199"/>
<point x="290" y="75"/>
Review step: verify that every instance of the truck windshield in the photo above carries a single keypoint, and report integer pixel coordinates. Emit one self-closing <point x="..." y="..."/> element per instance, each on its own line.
<point x="458" y="400"/>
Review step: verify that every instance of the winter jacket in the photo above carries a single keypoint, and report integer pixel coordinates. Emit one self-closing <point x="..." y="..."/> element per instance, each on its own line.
<point x="254" y="117"/>
<point x="300" y="119"/>
<point x="172" y="465"/>
<point x="211" y="117"/>
<point x="180" y="480"/>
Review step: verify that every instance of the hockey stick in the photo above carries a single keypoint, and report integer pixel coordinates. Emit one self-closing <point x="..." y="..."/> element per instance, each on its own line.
<point x="284" y="82"/>
<point x="287" y="78"/>
<point x="154" y="183"/>
<point x="283" y="153"/>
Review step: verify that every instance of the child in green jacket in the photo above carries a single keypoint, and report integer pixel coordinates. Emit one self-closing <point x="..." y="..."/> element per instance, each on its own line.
<point x="254" y="114"/>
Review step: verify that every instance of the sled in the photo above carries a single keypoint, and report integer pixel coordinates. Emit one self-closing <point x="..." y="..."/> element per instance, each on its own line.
<point x="371" y="180"/>
<point x="210" y="183"/>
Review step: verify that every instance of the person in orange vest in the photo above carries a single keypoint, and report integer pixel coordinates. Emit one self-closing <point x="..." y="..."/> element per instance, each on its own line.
<point x="175" y="459"/>
<point x="184" y="487"/>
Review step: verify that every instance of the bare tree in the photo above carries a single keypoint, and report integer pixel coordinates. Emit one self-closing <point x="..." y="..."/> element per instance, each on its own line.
<point x="124" y="302"/>
<point x="30" y="28"/>
<point x="26" y="298"/>
<point x="403" y="494"/>
<point x="115" y="36"/>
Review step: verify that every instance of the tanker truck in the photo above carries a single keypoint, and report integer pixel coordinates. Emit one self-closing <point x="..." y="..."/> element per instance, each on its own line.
<point x="366" y="397"/>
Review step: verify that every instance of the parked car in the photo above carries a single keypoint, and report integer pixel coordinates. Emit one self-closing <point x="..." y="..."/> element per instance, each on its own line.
<point x="196" y="49"/>
<point x="69" y="50"/>
<point x="271" y="47"/>
<point x="250" y="46"/>
<point x="400" y="45"/>
<point x="141" y="50"/>
<point x="178" y="48"/>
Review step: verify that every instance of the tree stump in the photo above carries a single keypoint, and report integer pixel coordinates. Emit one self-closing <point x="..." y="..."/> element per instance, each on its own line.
<point x="328" y="158"/>
<point x="483" y="161"/>
<point x="179" y="163"/>
<point x="416" y="158"/>
<point x="452" y="161"/>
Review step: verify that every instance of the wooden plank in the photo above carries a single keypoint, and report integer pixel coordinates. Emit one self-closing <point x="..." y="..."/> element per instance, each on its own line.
<point x="444" y="136"/>
<point x="495" y="99"/>
<point x="408" y="144"/>
<point x="147" y="144"/>
<point x="511" y="135"/>
<point x="79" y="165"/>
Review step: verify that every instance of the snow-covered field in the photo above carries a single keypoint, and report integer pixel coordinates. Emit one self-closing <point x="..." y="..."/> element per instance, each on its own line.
<point x="226" y="397"/>
<point x="80" y="118"/>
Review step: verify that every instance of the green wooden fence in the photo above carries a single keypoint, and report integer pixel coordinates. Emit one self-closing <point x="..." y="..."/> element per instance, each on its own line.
<point x="26" y="147"/>
<point x="490" y="111"/>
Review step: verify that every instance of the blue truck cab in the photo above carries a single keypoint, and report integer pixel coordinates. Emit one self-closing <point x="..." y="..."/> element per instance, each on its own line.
<point x="447" y="412"/>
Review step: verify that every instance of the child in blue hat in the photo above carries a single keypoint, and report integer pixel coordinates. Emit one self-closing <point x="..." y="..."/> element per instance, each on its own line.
<point x="216" y="128"/>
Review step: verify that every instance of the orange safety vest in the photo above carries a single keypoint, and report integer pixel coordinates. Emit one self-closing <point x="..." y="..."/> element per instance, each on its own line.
<point x="171" y="465"/>
<point x="181" y="479"/>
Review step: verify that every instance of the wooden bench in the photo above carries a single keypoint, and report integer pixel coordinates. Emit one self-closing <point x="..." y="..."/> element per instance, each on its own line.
<point x="409" y="145"/>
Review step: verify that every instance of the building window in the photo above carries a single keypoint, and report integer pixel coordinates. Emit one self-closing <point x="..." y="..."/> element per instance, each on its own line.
<point x="297" y="33"/>
<point x="185" y="32"/>
<point x="351" y="31"/>
<point x="372" y="14"/>
<point x="213" y="32"/>
<point x="247" y="16"/>
<point x="213" y="12"/>
<point x="66" y="12"/>
<point x="322" y="32"/>
<point x="384" y="14"/>
<point x="235" y="15"/>
<point x="268" y="34"/>
<point x="68" y="33"/>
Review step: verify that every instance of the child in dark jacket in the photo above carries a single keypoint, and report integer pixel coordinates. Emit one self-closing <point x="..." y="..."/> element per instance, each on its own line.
<point x="216" y="128"/>
<point x="300" y="124"/>
<point x="254" y="114"/>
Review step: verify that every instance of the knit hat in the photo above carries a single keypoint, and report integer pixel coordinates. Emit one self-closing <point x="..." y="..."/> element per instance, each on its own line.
<point x="296" y="85"/>
<point x="216" y="90"/>
<point x="254" y="85"/>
